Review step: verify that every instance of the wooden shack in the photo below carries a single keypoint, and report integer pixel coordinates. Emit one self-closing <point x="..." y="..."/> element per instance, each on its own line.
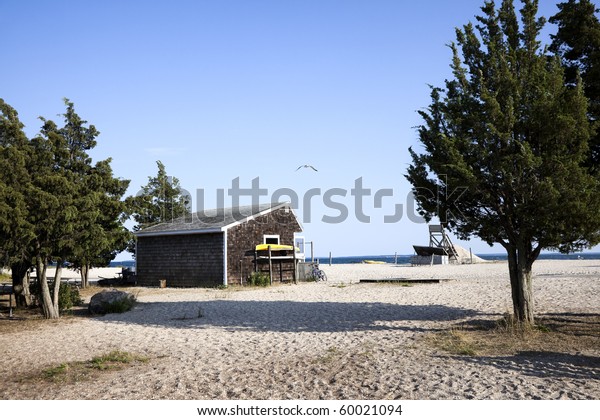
<point x="210" y="248"/>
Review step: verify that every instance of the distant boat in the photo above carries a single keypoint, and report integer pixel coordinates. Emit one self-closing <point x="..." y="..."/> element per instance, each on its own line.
<point x="428" y="251"/>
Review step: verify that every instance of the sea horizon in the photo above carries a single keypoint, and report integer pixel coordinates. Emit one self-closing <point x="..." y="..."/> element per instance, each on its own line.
<point x="405" y="258"/>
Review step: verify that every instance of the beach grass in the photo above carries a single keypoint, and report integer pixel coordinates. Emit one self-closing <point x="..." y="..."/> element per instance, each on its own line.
<point x="80" y="371"/>
<point x="455" y="341"/>
<point x="331" y="355"/>
<point x="563" y="333"/>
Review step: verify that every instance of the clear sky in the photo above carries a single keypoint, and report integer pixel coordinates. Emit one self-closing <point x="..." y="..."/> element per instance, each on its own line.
<point x="219" y="90"/>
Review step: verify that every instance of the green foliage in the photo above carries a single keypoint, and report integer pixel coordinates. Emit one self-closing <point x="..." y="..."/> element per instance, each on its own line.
<point x="16" y="230"/>
<point x="109" y="360"/>
<point x="577" y="42"/>
<point x="259" y="279"/>
<point x="104" y="236"/>
<point x="55" y="204"/>
<point x="68" y="296"/>
<point x="55" y="372"/>
<point x="161" y="200"/>
<point x="504" y="146"/>
<point x="97" y="233"/>
<point x="120" y="306"/>
<point x="81" y="371"/>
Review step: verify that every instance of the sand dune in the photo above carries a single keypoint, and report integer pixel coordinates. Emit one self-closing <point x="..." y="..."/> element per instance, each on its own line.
<point x="333" y="340"/>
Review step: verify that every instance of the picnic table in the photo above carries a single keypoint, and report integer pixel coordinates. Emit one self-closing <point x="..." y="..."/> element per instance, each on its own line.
<point x="7" y="289"/>
<point x="69" y="280"/>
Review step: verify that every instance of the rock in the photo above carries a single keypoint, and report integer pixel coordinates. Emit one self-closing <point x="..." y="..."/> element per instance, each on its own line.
<point x="110" y="301"/>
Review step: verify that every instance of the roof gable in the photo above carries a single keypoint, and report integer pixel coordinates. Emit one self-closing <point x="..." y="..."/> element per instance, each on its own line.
<point x="210" y="221"/>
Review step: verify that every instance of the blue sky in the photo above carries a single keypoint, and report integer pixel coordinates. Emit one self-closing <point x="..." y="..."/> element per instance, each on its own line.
<point x="219" y="90"/>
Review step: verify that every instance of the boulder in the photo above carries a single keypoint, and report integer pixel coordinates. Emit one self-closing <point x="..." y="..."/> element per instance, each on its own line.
<point x="107" y="300"/>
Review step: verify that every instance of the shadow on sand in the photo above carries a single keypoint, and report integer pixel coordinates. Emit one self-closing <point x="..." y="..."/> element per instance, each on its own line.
<point x="288" y="316"/>
<point x="543" y="364"/>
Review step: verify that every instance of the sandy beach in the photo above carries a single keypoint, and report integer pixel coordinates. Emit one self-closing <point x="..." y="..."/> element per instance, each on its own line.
<point x="339" y="339"/>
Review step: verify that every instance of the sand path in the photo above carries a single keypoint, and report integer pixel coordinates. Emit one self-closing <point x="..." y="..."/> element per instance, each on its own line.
<point x="339" y="339"/>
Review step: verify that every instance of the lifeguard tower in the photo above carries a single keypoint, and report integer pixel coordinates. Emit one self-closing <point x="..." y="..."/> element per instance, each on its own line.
<point x="439" y="251"/>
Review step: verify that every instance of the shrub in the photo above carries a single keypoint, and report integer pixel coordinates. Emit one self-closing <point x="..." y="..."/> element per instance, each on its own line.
<point x="120" y="306"/>
<point x="68" y="296"/>
<point x="259" y="279"/>
<point x="310" y="278"/>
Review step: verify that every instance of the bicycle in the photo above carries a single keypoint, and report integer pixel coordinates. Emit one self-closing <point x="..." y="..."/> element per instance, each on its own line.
<point x="317" y="274"/>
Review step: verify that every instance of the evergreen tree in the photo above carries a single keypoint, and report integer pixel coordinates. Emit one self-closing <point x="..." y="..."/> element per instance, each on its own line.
<point x="104" y="236"/>
<point x="55" y="206"/>
<point x="577" y="42"/>
<point x="504" y="148"/>
<point x="101" y="234"/>
<point x="161" y="200"/>
<point x="54" y="211"/>
<point x="16" y="231"/>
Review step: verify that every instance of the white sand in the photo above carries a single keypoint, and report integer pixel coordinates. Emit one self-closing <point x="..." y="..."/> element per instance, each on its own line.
<point x="339" y="339"/>
<point x="94" y="274"/>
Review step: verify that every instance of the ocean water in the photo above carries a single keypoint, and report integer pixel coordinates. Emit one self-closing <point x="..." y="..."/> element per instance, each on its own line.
<point x="405" y="259"/>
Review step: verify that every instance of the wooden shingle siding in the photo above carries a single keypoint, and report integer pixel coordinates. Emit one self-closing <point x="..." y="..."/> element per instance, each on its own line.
<point x="182" y="260"/>
<point x="246" y="236"/>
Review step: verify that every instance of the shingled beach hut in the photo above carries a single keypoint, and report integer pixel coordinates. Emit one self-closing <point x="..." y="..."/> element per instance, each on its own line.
<point x="211" y="248"/>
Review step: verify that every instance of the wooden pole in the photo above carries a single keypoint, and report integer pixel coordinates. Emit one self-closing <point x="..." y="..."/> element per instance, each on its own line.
<point x="280" y="271"/>
<point x="270" y="266"/>
<point x="471" y="252"/>
<point x="330" y="258"/>
<point x="395" y="258"/>
<point x="255" y="261"/>
<point x="295" y="266"/>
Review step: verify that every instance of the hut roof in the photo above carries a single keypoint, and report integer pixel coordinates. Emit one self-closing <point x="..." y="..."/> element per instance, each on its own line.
<point x="207" y="221"/>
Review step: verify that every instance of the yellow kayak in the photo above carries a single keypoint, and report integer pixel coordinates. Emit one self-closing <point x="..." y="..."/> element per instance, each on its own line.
<point x="274" y="247"/>
<point x="373" y="262"/>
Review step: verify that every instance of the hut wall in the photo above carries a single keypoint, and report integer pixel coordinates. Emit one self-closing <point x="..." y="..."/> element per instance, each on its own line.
<point x="245" y="236"/>
<point x="181" y="260"/>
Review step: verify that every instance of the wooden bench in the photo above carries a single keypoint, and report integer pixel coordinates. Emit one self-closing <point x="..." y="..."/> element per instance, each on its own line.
<point x="7" y="290"/>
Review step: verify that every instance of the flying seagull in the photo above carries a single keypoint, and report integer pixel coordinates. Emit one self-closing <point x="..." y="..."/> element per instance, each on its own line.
<point x="307" y="166"/>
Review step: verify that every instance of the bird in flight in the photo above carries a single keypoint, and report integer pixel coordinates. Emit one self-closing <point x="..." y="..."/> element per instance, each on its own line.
<point x="307" y="166"/>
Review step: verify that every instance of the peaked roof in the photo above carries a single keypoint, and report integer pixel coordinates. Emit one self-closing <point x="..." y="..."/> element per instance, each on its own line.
<point x="214" y="220"/>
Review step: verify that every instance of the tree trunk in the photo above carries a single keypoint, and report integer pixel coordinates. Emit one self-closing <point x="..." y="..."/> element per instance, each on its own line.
<point x="20" y="281"/>
<point x="519" y="266"/>
<point x="84" y="273"/>
<point x="48" y="308"/>
<point x="57" y="281"/>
